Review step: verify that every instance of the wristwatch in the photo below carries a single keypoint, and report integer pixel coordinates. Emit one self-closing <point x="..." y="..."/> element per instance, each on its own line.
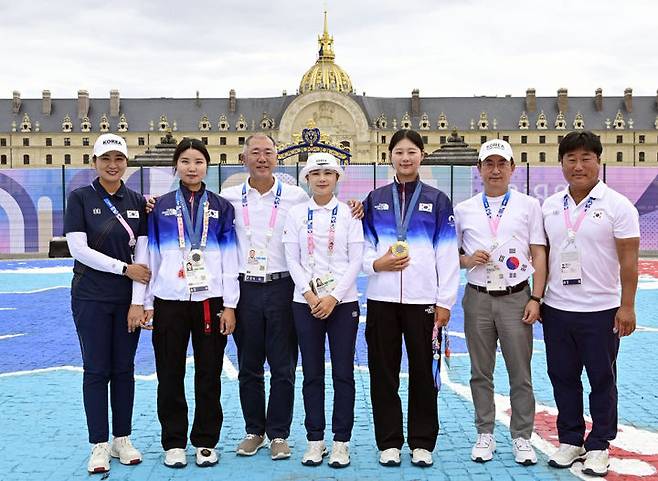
<point x="537" y="299"/>
<point x="124" y="270"/>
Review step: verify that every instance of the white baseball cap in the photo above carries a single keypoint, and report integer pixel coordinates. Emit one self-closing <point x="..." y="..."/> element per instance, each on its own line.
<point x="321" y="160"/>
<point x="495" y="147"/>
<point x="109" y="142"/>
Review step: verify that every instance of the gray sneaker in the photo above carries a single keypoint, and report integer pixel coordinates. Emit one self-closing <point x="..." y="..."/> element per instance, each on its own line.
<point x="250" y="445"/>
<point x="279" y="449"/>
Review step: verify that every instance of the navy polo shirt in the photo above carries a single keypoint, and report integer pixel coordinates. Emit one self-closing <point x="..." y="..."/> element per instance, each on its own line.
<point x="87" y="212"/>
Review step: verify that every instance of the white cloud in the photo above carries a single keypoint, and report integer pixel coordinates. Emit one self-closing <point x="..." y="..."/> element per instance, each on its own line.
<point x="445" y="48"/>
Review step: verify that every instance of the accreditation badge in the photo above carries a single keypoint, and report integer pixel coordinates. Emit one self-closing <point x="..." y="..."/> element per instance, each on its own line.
<point x="495" y="277"/>
<point x="256" y="266"/>
<point x="400" y="249"/>
<point x="570" y="267"/>
<point x="324" y="285"/>
<point x="196" y="274"/>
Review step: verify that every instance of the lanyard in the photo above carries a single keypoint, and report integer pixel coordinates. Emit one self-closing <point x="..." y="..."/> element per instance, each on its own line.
<point x="275" y="209"/>
<point x="332" y="235"/>
<point x="198" y="234"/>
<point x="399" y="224"/>
<point x="573" y="228"/>
<point x="494" y="223"/>
<point x="132" y="241"/>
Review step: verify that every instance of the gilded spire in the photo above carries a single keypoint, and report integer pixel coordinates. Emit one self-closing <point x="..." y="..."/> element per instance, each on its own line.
<point x="326" y="43"/>
<point x="325" y="74"/>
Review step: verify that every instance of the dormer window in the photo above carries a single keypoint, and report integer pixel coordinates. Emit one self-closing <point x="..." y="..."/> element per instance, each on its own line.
<point x="380" y="123"/>
<point x="483" y="123"/>
<point x="67" y="124"/>
<point x="560" y="122"/>
<point x="542" y="124"/>
<point x="222" y="123"/>
<point x="204" y="124"/>
<point x="163" y="125"/>
<point x="242" y="123"/>
<point x="579" y="122"/>
<point x="122" y="126"/>
<point x="523" y="121"/>
<point x="406" y="121"/>
<point x="26" y="125"/>
<point x="104" y="124"/>
<point x="85" y="125"/>
<point x="424" y="122"/>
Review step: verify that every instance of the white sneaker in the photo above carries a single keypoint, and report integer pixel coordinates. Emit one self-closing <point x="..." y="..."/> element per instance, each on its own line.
<point x="596" y="463"/>
<point x="206" y="457"/>
<point x="175" y="458"/>
<point x="483" y="448"/>
<point x="315" y="451"/>
<point x="566" y="455"/>
<point x="123" y="449"/>
<point x="523" y="452"/>
<point x="390" y="457"/>
<point x="421" y="457"/>
<point x="99" y="461"/>
<point x="340" y="454"/>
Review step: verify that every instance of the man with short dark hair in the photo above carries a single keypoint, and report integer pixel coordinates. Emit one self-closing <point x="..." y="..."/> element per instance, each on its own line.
<point x="594" y="237"/>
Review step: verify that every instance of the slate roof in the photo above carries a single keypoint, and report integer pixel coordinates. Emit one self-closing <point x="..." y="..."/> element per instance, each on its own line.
<point x="459" y="111"/>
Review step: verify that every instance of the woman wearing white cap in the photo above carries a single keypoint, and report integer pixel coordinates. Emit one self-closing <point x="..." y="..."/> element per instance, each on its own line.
<point x="103" y="223"/>
<point x="324" y="251"/>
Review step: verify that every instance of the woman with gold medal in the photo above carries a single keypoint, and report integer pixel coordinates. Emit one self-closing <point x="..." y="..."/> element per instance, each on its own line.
<point x="193" y="292"/>
<point x="412" y="261"/>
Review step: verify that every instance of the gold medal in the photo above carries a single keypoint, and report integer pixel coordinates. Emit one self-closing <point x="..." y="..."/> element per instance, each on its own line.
<point x="400" y="249"/>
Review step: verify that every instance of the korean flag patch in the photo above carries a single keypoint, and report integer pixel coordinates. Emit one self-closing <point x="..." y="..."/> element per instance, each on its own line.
<point x="425" y="207"/>
<point x="132" y="214"/>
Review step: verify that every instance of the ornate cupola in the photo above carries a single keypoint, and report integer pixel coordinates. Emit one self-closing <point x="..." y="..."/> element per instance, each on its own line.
<point x="325" y="74"/>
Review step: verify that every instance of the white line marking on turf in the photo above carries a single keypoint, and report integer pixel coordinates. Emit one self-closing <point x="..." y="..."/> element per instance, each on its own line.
<point x="628" y="438"/>
<point x="44" y="289"/>
<point x="7" y="308"/>
<point x="646" y="329"/>
<point x="10" y="336"/>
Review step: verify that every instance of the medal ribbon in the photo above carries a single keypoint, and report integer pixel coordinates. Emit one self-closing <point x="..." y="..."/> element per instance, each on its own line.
<point x="567" y="218"/>
<point x="310" y="241"/>
<point x="132" y="241"/>
<point x="198" y="234"/>
<point x="403" y="226"/>
<point x="495" y="222"/>
<point x="436" y="353"/>
<point x="273" y="215"/>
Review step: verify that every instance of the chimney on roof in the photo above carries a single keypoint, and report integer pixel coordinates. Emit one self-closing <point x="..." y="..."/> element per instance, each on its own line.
<point x="415" y="103"/>
<point x="530" y="100"/>
<point x="46" y="103"/>
<point x="232" y="102"/>
<point x="598" y="100"/>
<point x="83" y="104"/>
<point x="16" y="103"/>
<point x="562" y="100"/>
<point x="197" y="102"/>
<point x="115" y="103"/>
<point x="628" y="99"/>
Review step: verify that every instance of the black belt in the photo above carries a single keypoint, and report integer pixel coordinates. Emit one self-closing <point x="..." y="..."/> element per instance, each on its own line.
<point x="274" y="276"/>
<point x="510" y="290"/>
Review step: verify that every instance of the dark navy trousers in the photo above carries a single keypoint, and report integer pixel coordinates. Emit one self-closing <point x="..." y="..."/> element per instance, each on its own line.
<point x="108" y="357"/>
<point x="341" y="328"/>
<point x="265" y="331"/>
<point x="575" y="340"/>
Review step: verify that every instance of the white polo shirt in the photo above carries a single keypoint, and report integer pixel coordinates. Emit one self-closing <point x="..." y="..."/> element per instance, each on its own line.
<point x="260" y="211"/>
<point x="521" y="223"/>
<point x="345" y="262"/>
<point x="611" y="216"/>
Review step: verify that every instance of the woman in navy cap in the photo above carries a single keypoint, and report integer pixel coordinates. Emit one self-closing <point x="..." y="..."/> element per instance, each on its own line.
<point x="324" y="251"/>
<point x="104" y="223"/>
<point x="193" y="292"/>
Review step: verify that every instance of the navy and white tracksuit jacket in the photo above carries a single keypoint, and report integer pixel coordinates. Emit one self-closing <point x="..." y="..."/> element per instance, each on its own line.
<point x="432" y="277"/>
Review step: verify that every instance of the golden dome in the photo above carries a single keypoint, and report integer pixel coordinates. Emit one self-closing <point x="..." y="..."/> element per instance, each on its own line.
<point x="325" y="74"/>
